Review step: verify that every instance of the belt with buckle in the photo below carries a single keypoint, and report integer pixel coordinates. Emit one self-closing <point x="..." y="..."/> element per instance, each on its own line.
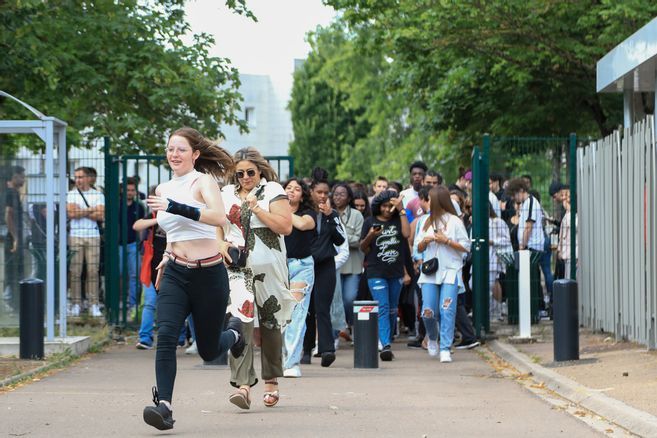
<point x="200" y="263"/>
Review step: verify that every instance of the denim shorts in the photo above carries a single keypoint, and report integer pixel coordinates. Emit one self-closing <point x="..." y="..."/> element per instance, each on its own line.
<point x="302" y="270"/>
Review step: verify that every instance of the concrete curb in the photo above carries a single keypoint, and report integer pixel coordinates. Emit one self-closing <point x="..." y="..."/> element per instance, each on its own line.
<point x="632" y="419"/>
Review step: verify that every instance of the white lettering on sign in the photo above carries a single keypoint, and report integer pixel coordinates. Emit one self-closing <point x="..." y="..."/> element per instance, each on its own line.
<point x="366" y="309"/>
<point x="363" y="316"/>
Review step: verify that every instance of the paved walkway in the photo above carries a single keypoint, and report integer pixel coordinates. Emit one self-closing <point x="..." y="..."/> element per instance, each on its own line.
<point x="414" y="396"/>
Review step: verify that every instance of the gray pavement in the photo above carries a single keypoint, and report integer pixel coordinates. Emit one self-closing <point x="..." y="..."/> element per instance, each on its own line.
<point x="414" y="396"/>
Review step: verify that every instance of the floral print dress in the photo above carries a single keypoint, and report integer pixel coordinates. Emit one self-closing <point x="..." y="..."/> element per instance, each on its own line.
<point x="265" y="277"/>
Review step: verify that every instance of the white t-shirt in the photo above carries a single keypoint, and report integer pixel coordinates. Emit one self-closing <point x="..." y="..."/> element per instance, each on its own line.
<point x="495" y="203"/>
<point x="409" y="194"/>
<point x="531" y="211"/>
<point x="84" y="227"/>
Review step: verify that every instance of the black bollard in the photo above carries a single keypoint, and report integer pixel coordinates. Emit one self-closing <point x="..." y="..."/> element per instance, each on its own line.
<point x="31" y="319"/>
<point x="366" y="334"/>
<point x="566" y="320"/>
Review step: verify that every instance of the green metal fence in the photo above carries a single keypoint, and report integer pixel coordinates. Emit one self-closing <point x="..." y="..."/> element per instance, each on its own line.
<point x="544" y="160"/>
<point x="149" y="170"/>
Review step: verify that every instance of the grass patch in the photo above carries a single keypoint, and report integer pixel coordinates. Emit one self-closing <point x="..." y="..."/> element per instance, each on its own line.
<point x="35" y="369"/>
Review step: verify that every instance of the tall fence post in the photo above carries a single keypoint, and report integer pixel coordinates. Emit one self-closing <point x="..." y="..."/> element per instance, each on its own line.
<point x="480" y="236"/>
<point x="573" y="206"/>
<point x="111" y="235"/>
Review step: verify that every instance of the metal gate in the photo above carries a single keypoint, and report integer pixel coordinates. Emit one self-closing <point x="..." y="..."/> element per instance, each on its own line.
<point x="544" y="159"/>
<point x="149" y="170"/>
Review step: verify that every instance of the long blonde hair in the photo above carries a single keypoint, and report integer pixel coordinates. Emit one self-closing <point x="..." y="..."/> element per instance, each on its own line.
<point x="253" y="155"/>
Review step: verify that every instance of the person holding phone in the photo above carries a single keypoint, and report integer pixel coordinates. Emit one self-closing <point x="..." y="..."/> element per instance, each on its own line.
<point x="191" y="276"/>
<point x="253" y="245"/>
<point x="381" y="241"/>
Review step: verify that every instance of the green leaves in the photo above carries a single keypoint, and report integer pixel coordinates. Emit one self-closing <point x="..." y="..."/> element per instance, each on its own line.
<point x="115" y="68"/>
<point x="426" y="78"/>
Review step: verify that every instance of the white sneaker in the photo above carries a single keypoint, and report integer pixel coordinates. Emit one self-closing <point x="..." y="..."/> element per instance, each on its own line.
<point x="445" y="356"/>
<point x="74" y="310"/>
<point x="336" y="343"/>
<point x="95" y="311"/>
<point x="432" y="347"/>
<point x="293" y="372"/>
<point x="193" y="349"/>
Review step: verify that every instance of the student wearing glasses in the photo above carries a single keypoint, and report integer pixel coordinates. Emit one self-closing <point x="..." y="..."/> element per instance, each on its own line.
<point x="259" y="215"/>
<point x="191" y="276"/>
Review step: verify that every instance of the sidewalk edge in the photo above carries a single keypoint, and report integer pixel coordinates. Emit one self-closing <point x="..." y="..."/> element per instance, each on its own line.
<point x="633" y="419"/>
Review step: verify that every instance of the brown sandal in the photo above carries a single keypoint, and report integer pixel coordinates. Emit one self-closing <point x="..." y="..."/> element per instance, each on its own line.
<point x="270" y="398"/>
<point x="241" y="398"/>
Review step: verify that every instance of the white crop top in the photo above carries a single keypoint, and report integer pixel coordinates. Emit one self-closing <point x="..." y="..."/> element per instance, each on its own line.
<point x="179" y="228"/>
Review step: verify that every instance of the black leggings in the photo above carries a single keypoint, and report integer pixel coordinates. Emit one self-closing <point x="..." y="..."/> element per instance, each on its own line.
<point x="203" y="292"/>
<point x="320" y="307"/>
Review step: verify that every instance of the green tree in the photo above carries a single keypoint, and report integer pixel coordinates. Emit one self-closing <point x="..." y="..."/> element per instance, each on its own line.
<point x="324" y="125"/>
<point x="115" y="68"/>
<point x="512" y="66"/>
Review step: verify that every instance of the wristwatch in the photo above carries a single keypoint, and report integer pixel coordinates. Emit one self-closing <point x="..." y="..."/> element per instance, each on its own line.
<point x="402" y="212"/>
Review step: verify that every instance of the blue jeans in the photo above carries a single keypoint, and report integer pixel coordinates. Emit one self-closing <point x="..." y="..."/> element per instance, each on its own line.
<point x="133" y="267"/>
<point x="148" y="315"/>
<point x="300" y="271"/>
<point x="148" y="319"/>
<point x="386" y="291"/>
<point x="447" y="294"/>
<point x="349" y="293"/>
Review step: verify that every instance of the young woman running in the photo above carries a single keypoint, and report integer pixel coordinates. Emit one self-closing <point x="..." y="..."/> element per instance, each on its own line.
<point x="329" y="234"/>
<point x="302" y="271"/>
<point x="258" y="218"/>
<point x="191" y="277"/>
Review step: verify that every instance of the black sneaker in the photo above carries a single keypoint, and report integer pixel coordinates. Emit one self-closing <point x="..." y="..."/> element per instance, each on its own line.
<point x="386" y="354"/>
<point x="467" y="345"/>
<point x="415" y="343"/>
<point x="305" y="359"/>
<point x="328" y="358"/>
<point x="158" y="416"/>
<point x="234" y="323"/>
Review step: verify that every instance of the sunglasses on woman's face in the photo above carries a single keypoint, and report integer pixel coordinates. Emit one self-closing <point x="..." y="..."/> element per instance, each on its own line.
<point x="250" y="173"/>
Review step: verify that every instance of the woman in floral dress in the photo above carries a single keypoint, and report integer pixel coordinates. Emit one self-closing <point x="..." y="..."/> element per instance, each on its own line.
<point x="259" y="215"/>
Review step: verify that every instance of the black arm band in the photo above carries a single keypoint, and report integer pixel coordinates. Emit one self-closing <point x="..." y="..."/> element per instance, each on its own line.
<point x="184" y="210"/>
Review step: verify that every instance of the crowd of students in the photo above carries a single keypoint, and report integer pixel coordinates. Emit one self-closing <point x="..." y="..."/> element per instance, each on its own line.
<point x="285" y="261"/>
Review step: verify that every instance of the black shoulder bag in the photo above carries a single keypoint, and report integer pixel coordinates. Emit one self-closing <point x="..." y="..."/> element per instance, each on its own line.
<point x="430" y="266"/>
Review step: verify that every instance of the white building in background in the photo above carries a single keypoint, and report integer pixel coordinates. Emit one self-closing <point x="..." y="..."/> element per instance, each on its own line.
<point x="269" y="121"/>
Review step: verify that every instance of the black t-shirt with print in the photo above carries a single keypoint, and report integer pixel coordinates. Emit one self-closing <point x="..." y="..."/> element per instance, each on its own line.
<point x="298" y="242"/>
<point x="384" y="260"/>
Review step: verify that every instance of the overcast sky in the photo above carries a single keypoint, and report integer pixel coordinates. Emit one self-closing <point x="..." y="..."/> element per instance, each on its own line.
<point x="267" y="47"/>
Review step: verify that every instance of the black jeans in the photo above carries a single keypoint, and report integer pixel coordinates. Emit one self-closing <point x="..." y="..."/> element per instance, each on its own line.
<point x="204" y="292"/>
<point x="463" y="323"/>
<point x="320" y="308"/>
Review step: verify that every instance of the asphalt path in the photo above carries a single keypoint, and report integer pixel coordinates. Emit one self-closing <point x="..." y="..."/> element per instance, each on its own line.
<point x="413" y="396"/>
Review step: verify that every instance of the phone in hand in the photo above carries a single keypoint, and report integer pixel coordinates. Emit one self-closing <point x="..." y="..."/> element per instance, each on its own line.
<point x="377" y="227"/>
